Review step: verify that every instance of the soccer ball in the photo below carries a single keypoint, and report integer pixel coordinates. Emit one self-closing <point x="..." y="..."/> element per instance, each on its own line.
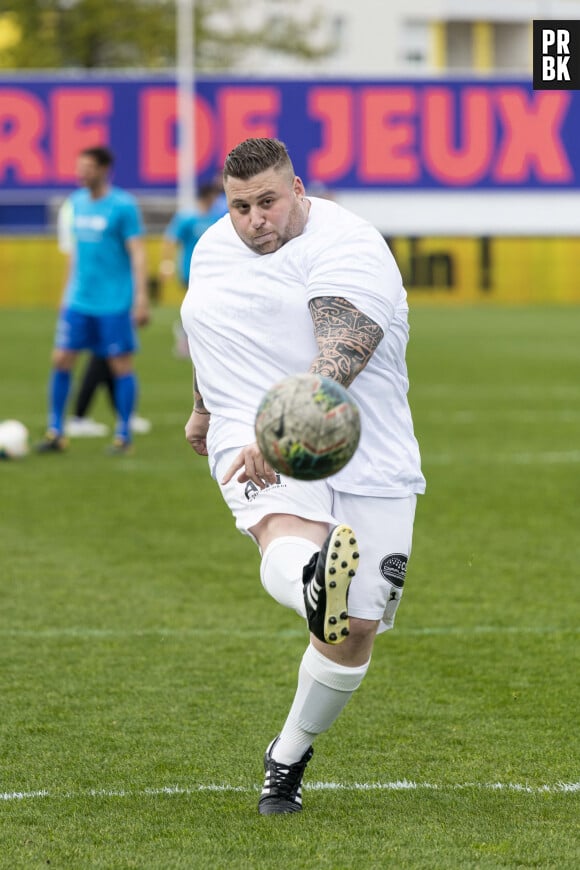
<point x="13" y="439"/>
<point x="307" y="426"/>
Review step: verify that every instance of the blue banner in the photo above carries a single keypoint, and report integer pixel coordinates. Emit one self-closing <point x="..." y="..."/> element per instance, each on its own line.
<point x="351" y="134"/>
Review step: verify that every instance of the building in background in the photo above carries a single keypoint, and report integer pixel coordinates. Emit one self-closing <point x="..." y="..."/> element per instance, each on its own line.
<point x="383" y="38"/>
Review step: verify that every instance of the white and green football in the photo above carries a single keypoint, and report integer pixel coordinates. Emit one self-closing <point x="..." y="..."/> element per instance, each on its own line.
<point x="307" y="427"/>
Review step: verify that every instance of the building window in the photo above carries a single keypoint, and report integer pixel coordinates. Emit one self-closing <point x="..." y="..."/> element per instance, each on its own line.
<point x="415" y="41"/>
<point x="459" y="45"/>
<point x="484" y="47"/>
<point x="512" y="44"/>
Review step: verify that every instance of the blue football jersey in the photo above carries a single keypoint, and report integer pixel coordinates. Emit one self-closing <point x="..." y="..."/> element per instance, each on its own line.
<point x="187" y="227"/>
<point x="101" y="280"/>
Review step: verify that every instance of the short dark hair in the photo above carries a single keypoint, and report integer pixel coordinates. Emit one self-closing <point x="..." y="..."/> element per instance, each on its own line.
<point x="102" y="155"/>
<point x="253" y="156"/>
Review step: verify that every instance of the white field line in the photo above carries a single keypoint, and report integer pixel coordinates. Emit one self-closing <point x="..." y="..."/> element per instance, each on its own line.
<point x="495" y="391"/>
<point x="524" y="415"/>
<point x="399" y="785"/>
<point x="87" y="634"/>
<point x="540" y="457"/>
<point x="453" y="415"/>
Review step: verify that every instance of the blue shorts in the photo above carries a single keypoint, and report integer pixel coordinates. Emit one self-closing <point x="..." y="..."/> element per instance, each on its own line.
<point x="106" y="335"/>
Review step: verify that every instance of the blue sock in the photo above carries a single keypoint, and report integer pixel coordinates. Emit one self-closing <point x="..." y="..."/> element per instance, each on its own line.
<point x="125" y="397"/>
<point x="58" y="390"/>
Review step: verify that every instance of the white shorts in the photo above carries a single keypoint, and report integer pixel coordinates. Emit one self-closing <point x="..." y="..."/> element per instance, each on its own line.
<point x="383" y="527"/>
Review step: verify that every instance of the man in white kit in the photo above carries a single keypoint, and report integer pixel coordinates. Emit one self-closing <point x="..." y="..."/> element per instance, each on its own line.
<point x="283" y="284"/>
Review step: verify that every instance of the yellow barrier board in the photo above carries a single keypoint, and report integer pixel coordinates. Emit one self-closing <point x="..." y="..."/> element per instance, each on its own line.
<point x="502" y="269"/>
<point x="33" y="272"/>
<point x="435" y="270"/>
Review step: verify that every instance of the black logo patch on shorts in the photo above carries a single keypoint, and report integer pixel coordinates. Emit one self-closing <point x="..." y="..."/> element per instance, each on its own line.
<point x="252" y="491"/>
<point x="393" y="568"/>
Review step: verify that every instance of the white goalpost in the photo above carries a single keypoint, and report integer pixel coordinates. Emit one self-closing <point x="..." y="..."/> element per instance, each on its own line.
<point x="185" y="70"/>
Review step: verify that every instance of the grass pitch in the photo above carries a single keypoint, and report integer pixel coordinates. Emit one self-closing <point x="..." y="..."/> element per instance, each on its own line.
<point x="143" y="669"/>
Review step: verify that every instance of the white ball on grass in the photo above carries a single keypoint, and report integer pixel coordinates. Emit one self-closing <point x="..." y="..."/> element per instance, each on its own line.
<point x="14" y="439"/>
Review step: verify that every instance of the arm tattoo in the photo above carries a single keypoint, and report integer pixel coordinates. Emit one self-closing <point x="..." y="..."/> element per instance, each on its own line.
<point x="346" y="339"/>
<point x="198" y="402"/>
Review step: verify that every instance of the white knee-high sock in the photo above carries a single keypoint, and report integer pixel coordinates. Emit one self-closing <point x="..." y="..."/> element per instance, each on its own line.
<point x="324" y="688"/>
<point x="281" y="570"/>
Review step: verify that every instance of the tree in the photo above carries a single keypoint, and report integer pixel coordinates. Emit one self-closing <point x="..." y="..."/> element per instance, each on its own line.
<point x="97" y="34"/>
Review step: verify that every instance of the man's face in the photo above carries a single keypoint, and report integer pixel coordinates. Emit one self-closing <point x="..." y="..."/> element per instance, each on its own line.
<point x="89" y="173"/>
<point x="267" y="210"/>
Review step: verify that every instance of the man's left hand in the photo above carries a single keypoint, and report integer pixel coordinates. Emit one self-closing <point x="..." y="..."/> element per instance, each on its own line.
<point x="255" y="467"/>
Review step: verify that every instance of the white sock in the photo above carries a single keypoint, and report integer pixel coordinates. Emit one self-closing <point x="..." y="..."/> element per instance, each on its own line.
<point x="281" y="570"/>
<point x="324" y="688"/>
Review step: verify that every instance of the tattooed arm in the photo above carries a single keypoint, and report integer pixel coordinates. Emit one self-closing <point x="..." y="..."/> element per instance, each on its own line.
<point x="197" y="426"/>
<point x="198" y="403"/>
<point x="346" y="339"/>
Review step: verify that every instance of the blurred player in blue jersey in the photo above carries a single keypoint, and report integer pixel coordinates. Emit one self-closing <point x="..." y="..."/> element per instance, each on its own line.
<point x="97" y="372"/>
<point x="105" y="296"/>
<point x="180" y="238"/>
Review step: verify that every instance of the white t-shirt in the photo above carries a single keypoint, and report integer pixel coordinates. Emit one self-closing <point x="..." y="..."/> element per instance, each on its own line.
<point x="248" y="324"/>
